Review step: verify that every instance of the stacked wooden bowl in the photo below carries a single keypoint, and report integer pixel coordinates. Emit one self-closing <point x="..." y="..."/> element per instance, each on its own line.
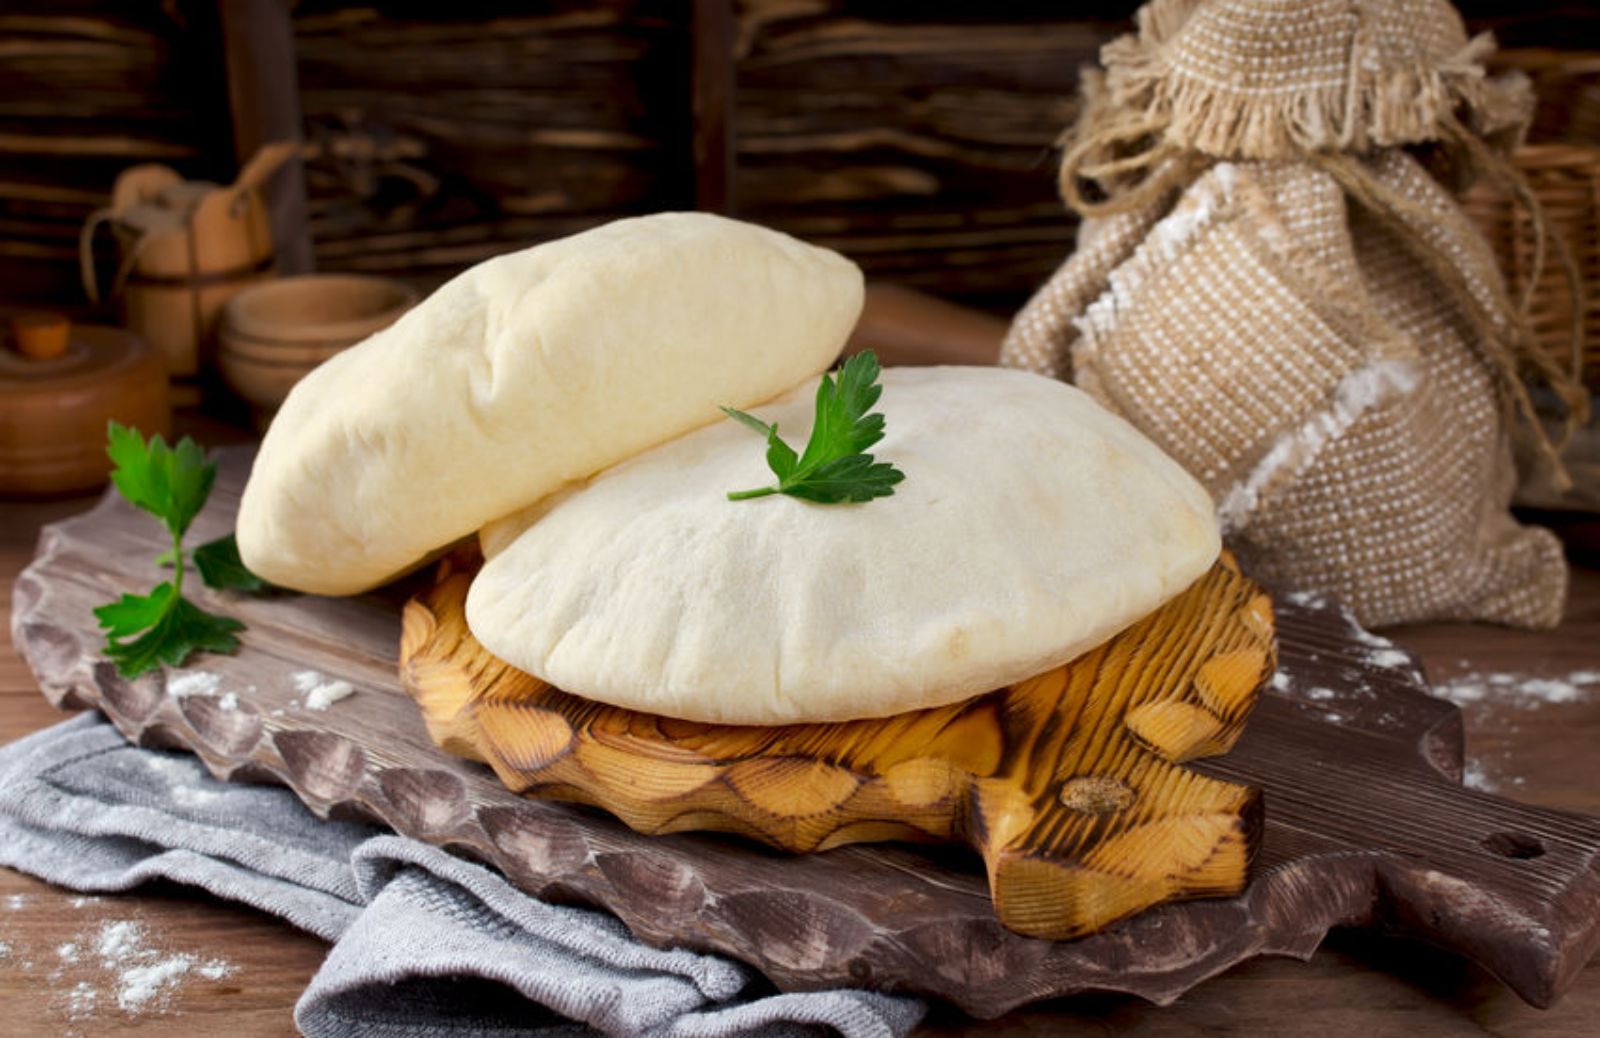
<point x="274" y="333"/>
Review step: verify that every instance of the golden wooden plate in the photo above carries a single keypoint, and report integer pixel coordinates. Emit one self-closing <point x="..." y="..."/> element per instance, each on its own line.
<point x="1069" y="784"/>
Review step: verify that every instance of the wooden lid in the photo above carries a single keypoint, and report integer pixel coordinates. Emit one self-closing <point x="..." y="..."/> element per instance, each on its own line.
<point x="91" y="355"/>
<point x="53" y="412"/>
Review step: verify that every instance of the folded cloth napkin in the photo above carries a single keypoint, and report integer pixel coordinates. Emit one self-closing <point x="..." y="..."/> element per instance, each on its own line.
<point x="424" y="942"/>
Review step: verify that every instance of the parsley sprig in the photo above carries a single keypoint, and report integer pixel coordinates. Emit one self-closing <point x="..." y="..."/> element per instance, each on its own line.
<point x="835" y="467"/>
<point x="171" y="483"/>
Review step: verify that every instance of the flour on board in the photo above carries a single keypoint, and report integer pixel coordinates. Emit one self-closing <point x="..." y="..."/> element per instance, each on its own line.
<point x="193" y="683"/>
<point x="321" y="691"/>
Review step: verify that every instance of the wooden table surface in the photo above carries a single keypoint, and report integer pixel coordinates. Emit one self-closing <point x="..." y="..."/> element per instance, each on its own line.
<point x="1357" y="984"/>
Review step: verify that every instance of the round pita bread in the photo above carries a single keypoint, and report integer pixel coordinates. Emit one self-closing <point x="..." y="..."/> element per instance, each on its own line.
<point x="528" y="371"/>
<point x="1031" y="525"/>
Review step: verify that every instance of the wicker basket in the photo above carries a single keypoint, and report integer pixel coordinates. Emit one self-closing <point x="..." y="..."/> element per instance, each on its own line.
<point x="1566" y="180"/>
<point x="1567" y="84"/>
<point x="1562" y="166"/>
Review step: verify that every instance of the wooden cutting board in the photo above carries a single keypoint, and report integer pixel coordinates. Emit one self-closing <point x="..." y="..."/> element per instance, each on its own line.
<point x="1366" y="821"/>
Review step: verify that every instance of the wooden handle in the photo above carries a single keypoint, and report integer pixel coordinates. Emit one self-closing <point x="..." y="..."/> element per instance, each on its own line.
<point x="263" y="164"/>
<point x="1069" y="784"/>
<point x="1526" y="876"/>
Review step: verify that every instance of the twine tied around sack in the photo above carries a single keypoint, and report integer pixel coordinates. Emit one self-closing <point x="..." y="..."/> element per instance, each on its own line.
<point x="1148" y="130"/>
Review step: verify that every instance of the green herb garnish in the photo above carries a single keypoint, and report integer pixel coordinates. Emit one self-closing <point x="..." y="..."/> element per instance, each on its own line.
<point x="171" y="483"/>
<point x="221" y="568"/>
<point x="835" y="467"/>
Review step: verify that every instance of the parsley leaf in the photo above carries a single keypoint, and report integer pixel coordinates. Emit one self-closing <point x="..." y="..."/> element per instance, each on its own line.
<point x="221" y="568"/>
<point x="172" y="484"/>
<point x="835" y="467"/>
<point x="131" y="614"/>
<point x="181" y="629"/>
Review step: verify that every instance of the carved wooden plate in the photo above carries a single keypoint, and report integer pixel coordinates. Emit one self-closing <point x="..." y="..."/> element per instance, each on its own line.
<point x="1068" y="784"/>
<point x="1366" y="821"/>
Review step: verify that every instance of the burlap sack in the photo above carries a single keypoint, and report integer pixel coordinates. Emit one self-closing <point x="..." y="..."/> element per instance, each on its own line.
<point x="1290" y="303"/>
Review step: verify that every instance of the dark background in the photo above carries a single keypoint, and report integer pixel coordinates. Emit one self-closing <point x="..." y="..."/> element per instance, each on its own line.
<point x="915" y="137"/>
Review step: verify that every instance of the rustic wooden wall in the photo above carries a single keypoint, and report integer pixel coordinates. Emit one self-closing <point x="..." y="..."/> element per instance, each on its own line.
<point x="918" y="138"/>
<point x="915" y="137"/>
<point x="87" y="88"/>
<point x="445" y="133"/>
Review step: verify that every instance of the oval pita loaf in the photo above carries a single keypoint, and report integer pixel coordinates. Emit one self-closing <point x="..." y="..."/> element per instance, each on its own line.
<point x="526" y="372"/>
<point x="1032" y="525"/>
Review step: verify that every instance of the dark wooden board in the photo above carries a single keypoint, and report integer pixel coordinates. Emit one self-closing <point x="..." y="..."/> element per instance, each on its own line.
<point x="1367" y="824"/>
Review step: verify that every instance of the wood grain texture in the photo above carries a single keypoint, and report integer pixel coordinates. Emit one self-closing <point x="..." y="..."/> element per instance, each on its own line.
<point x="264" y="101"/>
<point x="711" y="90"/>
<point x="1366" y="823"/>
<point x="917" y="139"/>
<point x="1066" y="784"/>
<point x="443" y="135"/>
<point x="87" y="89"/>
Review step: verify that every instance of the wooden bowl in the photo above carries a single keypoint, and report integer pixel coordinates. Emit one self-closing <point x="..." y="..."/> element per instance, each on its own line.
<point x="272" y="334"/>
<point x="53" y="411"/>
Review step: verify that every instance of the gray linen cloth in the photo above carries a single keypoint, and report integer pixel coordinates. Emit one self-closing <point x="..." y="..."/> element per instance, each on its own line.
<point x="424" y="943"/>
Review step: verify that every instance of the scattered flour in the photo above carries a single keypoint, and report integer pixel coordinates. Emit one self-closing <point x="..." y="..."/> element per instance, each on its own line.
<point x="120" y="941"/>
<point x="194" y="796"/>
<point x="193" y="683"/>
<point x="1522" y="690"/>
<point x="1551" y="690"/>
<point x="81" y="1000"/>
<point x="215" y="969"/>
<point x="5" y="950"/>
<point x="16" y="901"/>
<point x="1367" y="638"/>
<point x="1320" y="694"/>
<point x="203" y="683"/>
<point x="1487" y="778"/>
<point x="137" y="985"/>
<point x="1395" y="659"/>
<point x="83" y="901"/>
<point x="320" y="691"/>
<point x="181" y="774"/>
<point x="328" y="693"/>
<point x="1281" y="682"/>
<point x="145" y="976"/>
<point x="177" y="770"/>
<point x="1486" y="691"/>
<point x="67" y="952"/>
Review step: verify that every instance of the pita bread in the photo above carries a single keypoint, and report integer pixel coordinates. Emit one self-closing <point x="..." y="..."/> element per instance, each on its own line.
<point x="526" y="372"/>
<point x="1032" y="525"/>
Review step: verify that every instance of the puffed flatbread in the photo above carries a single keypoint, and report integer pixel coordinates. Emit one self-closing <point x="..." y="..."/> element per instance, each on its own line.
<point x="526" y="372"/>
<point x="1031" y="525"/>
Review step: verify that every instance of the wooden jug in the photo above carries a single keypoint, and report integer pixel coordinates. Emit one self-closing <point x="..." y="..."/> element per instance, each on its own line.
<point x="185" y="247"/>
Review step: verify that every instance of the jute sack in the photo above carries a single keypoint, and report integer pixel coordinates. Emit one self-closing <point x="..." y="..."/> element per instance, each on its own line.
<point x="1274" y="283"/>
